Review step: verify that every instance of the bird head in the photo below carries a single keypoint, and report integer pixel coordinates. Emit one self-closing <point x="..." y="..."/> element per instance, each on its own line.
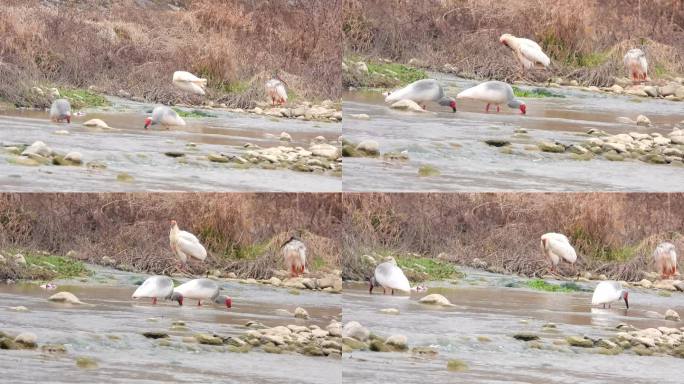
<point x="173" y="223"/>
<point x="504" y="39"/>
<point x="523" y="109"/>
<point x="175" y="296"/>
<point x="229" y="302"/>
<point x="452" y="104"/>
<point x="625" y="294"/>
<point x="148" y="122"/>
<point x="372" y="283"/>
<point x="68" y="119"/>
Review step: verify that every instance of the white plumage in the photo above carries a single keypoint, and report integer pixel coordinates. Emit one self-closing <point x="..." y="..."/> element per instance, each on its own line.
<point x="608" y="292"/>
<point x="556" y="246"/>
<point x="665" y="257"/>
<point x="185" y="244"/>
<point x="60" y="110"/>
<point x="422" y="91"/>
<point x="493" y="92"/>
<point x="388" y="275"/>
<point x="202" y="289"/>
<point x="528" y="52"/>
<point x="275" y="89"/>
<point x="155" y="287"/>
<point x="164" y="116"/>
<point x="189" y="82"/>
<point x="636" y="64"/>
<point x="294" y="253"/>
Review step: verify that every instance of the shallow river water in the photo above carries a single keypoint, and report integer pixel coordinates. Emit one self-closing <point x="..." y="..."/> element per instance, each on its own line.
<point x="140" y="153"/>
<point x="110" y="331"/>
<point x="454" y="143"/>
<point x="484" y="306"/>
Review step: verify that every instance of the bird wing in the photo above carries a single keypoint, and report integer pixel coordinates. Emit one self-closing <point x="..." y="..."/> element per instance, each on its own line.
<point x="489" y="92"/>
<point x="391" y="276"/>
<point x="198" y="289"/>
<point x="170" y="117"/>
<point x="281" y="91"/>
<point x="190" y="245"/>
<point x="533" y="52"/>
<point x="561" y="247"/>
<point x="421" y="90"/>
<point x="155" y="286"/>
<point x="606" y="292"/>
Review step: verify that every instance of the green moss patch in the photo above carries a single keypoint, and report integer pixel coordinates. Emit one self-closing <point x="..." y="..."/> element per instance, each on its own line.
<point x="194" y="113"/>
<point x="542" y="285"/>
<point x="63" y="267"/>
<point x="83" y="98"/>
<point x="535" y="93"/>
<point x="423" y="268"/>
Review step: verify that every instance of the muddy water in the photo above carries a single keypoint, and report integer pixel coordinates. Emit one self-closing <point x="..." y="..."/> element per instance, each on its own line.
<point x="485" y="307"/>
<point x="129" y="357"/>
<point x="453" y="143"/>
<point x="140" y="153"/>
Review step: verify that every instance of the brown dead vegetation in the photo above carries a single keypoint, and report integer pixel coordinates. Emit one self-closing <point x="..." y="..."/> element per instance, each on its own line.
<point x="585" y="39"/>
<point x="242" y="232"/>
<point x="137" y="45"/>
<point x="614" y="234"/>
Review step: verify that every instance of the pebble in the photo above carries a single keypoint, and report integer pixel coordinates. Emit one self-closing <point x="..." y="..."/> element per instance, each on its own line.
<point x="435" y="299"/>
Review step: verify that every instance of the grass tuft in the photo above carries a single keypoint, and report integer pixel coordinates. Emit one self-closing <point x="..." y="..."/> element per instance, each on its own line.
<point x="541" y="285"/>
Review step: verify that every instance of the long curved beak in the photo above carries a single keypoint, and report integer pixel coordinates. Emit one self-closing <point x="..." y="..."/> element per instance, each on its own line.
<point x="626" y="303"/>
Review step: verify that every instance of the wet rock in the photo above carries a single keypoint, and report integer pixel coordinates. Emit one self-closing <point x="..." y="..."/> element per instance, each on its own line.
<point x="577" y="149"/>
<point x="377" y="345"/>
<point x="667" y="285"/>
<point x="547" y="146"/>
<point x="354" y="344"/>
<point x="301" y="313"/>
<point x="645" y="283"/>
<point x="579" y="341"/>
<point x="334" y="329"/>
<point x="407" y="105"/>
<point x="643" y="121"/>
<point x="217" y="158"/>
<point x="356" y="331"/>
<point x="616" y="89"/>
<point x="457" y="365"/>
<point x="73" y="158"/>
<point x="360" y="116"/>
<point x="96" y="123"/>
<point x="38" y="149"/>
<point x="369" y="148"/>
<point x="435" y="299"/>
<point x="85" y="362"/>
<point x="26" y="340"/>
<point x="325" y="150"/>
<point x="653" y="159"/>
<point x="525" y="336"/>
<point x="651" y="91"/>
<point x="390" y="311"/>
<point x="53" y="348"/>
<point x="174" y="154"/>
<point x="672" y="315"/>
<point x="397" y="343"/>
<point x="613" y="155"/>
<point x="65" y="297"/>
<point x="156" y="334"/>
<point x="205" y="338"/>
<point x="428" y="171"/>
<point x="284" y="136"/>
<point x="124" y="177"/>
<point x="20" y="308"/>
<point x="497" y="142"/>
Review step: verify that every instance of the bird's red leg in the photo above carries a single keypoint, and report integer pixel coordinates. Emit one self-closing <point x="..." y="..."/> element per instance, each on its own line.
<point x="487" y="108"/>
<point x="154" y="300"/>
<point x="392" y="292"/>
<point x="199" y="303"/>
<point x="497" y="109"/>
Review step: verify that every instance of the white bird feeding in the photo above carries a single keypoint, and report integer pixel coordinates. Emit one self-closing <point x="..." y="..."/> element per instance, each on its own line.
<point x="275" y="89"/>
<point x="556" y="246"/>
<point x="528" y="53"/>
<point x="388" y="275"/>
<point x="294" y="253"/>
<point x="202" y="289"/>
<point x="636" y="65"/>
<point x="156" y="287"/>
<point x="422" y="91"/>
<point x="608" y="292"/>
<point x="665" y="257"/>
<point x="494" y="93"/>
<point x="60" y="111"/>
<point x="185" y="244"/>
<point x="189" y="82"/>
<point x="164" y="116"/>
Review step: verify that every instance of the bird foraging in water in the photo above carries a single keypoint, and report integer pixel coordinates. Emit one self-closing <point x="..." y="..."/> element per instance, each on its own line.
<point x="157" y="287"/>
<point x="164" y="116"/>
<point x="494" y="92"/>
<point x="185" y="244"/>
<point x="276" y="91"/>
<point x="422" y="91"/>
<point x="636" y="64"/>
<point x="607" y="292"/>
<point x="202" y="289"/>
<point x="528" y="53"/>
<point x="555" y="247"/>
<point x="665" y="257"/>
<point x="60" y="111"/>
<point x="294" y="253"/>
<point x="189" y="82"/>
<point x="388" y="275"/>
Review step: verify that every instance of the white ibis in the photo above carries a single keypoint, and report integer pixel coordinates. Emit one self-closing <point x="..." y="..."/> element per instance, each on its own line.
<point x="60" y="111"/>
<point x="665" y="257"/>
<point x="156" y="287"/>
<point x="388" y="275"/>
<point x="202" y="289"/>
<point x="636" y="65"/>
<point x="164" y="116"/>
<point x="493" y="92"/>
<point x="607" y="292"/>
<point x="189" y="82"/>
<point x="294" y="253"/>
<point x="528" y="53"/>
<point x="422" y="91"/>
<point x="185" y="244"/>
<point x="275" y="89"/>
<point x="556" y="246"/>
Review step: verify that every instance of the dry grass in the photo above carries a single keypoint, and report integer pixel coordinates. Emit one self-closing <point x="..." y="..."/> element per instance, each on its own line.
<point x="120" y="44"/>
<point x="242" y="232"/>
<point x="585" y="39"/>
<point x="614" y="234"/>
